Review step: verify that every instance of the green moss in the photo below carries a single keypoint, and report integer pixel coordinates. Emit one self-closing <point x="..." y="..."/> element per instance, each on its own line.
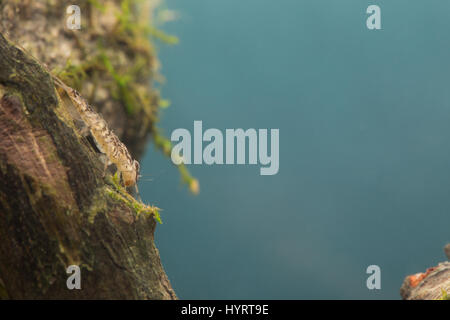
<point x="3" y="293"/>
<point x="120" y="194"/>
<point x="164" y="103"/>
<point x="445" y="296"/>
<point x="73" y="74"/>
<point x="125" y="88"/>
<point x="97" y="4"/>
<point x="165" y="145"/>
<point x="98" y="205"/>
<point x="161" y="35"/>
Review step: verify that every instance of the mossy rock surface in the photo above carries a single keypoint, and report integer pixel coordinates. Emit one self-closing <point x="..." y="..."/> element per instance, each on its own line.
<point x="57" y="207"/>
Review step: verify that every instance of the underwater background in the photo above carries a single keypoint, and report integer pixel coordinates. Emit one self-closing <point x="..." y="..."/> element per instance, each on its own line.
<point x="364" y="119"/>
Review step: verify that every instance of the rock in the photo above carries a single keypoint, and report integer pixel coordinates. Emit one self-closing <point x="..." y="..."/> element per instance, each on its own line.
<point x="430" y="285"/>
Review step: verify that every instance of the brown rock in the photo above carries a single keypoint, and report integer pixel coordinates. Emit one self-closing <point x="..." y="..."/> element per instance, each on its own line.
<point x="428" y="285"/>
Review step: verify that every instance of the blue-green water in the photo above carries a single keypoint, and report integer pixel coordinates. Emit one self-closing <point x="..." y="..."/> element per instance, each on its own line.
<point x="364" y="119"/>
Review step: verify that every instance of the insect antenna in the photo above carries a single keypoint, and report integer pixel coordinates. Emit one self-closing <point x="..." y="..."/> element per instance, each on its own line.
<point x="137" y="192"/>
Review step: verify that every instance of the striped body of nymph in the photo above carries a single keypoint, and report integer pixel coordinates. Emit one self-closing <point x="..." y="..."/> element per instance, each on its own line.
<point x="106" y="141"/>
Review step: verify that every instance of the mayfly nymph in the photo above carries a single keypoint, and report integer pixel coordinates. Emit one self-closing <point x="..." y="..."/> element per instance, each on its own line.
<point x="107" y="142"/>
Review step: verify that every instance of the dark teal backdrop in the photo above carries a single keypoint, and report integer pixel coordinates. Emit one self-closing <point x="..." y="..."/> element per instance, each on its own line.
<point x="364" y="119"/>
